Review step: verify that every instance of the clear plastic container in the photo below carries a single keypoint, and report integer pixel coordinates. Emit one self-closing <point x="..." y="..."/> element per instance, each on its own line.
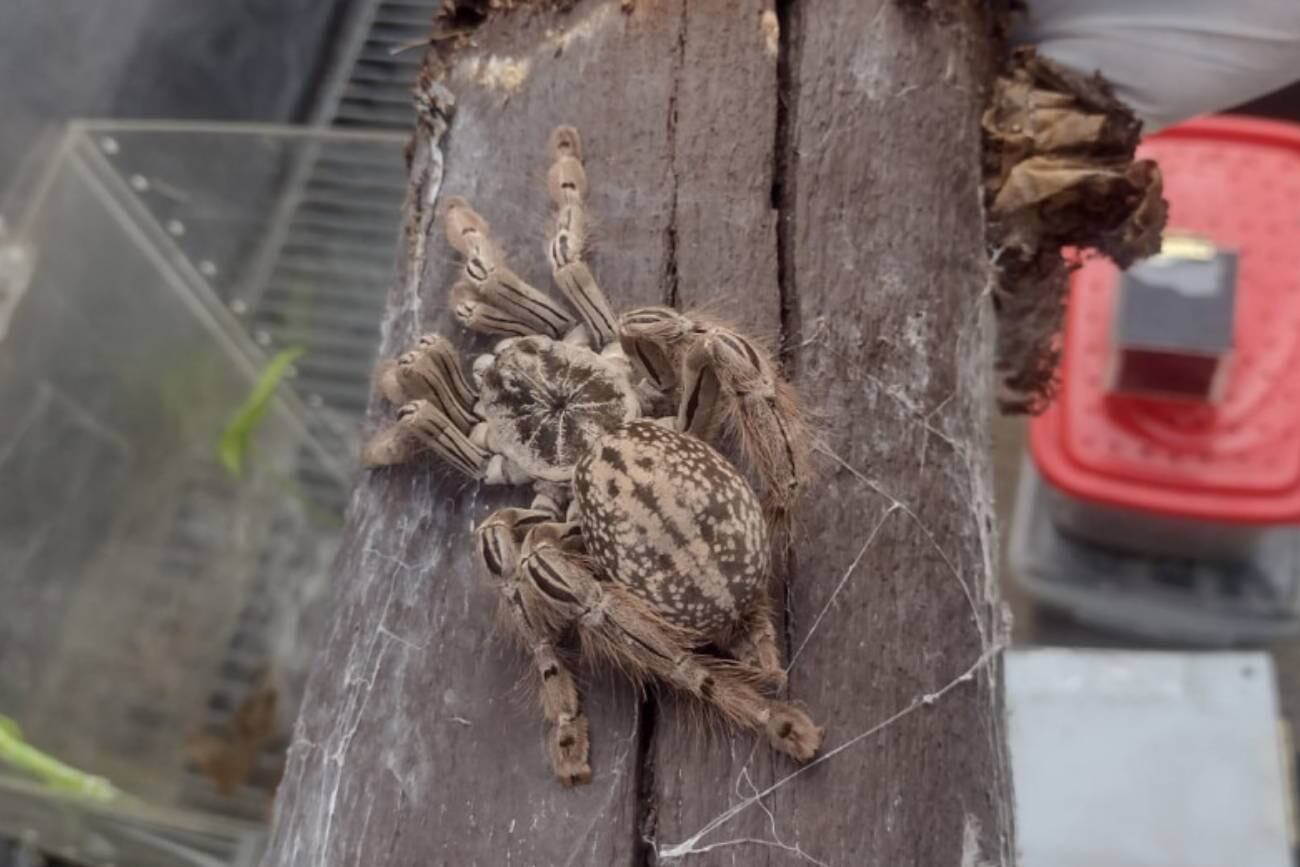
<point x="153" y="599"/>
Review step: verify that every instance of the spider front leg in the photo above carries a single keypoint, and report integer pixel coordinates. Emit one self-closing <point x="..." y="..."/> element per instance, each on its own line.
<point x="421" y="426"/>
<point x="567" y="183"/>
<point x="653" y="339"/>
<point x="491" y="298"/>
<point x="616" y="625"/>
<point x="437" y="414"/>
<point x="497" y="544"/>
<point x="432" y="371"/>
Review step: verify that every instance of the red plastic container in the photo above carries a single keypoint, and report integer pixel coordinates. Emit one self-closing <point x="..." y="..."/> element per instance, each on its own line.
<point x="1175" y="477"/>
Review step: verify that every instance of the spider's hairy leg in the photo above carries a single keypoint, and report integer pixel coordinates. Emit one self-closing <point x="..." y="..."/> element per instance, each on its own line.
<point x="612" y="623"/>
<point x="729" y="385"/>
<point x="732" y="691"/>
<point x="653" y="338"/>
<point x="497" y="547"/>
<point x="432" y="371"/>
<point x="552" y="498"/>
<point x="478" y="315"/>
<point x="757" y="647"/>
<point x="567" y="183"/>
<point x="423" y="426"/>
<point x="492" y="298"/>
<point x="616" y="625"/>
<point x="497" y="539"/>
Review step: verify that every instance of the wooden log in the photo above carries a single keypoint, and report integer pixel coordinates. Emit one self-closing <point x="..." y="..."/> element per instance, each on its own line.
<point x="812" y="172"/>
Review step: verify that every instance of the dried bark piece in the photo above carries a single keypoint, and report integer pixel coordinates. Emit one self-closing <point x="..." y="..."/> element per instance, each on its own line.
<point x="1059" y="172"/>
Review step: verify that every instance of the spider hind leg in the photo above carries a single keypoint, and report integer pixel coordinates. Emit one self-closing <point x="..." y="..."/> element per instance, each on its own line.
<point x="757" y="648"/>
<point x="616" y="625"/>
<point x="497" y="547"/>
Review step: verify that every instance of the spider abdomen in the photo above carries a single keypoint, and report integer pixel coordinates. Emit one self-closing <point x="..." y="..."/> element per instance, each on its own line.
<point x="667" y="516"/>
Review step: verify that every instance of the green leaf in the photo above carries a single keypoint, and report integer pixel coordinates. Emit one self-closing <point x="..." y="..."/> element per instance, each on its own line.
<point x="233" y="446"/>
<point x="19" y="754"/>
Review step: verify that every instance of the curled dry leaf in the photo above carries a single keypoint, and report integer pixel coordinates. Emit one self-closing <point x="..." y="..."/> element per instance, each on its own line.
<point x="1059" y="172"/>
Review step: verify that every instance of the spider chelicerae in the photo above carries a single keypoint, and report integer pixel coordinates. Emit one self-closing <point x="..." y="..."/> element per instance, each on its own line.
<point x="642" y="545"/>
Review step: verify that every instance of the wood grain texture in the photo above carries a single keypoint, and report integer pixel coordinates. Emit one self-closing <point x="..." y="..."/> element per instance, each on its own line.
<point x="724" y="155"/>
<point x="882" y="273"/>
<point x="889" y="286"/>
<point x="832" y="193"/>
<point x="417" y="743"/>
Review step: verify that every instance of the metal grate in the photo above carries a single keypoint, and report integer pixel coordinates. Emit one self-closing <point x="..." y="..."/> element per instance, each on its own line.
<point x="376" y="90"/>
<point x="325" y="287"/>
<point x="326" y="280"/>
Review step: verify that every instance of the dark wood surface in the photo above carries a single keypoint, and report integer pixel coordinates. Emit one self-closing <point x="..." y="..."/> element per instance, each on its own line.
<point x="826" y="194"/>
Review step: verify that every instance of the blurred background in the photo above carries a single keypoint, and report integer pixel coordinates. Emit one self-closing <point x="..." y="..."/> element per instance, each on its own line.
<point x="200" y="215"/>
<point x="200" y="206"/>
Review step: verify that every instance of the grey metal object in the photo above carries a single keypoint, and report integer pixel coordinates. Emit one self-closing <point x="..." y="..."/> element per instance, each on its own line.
<point x="1252" y="597"/>
<point x="1143" y="759"/>
<point x="1174" y="324"/>
<point x="1178" y="305"/>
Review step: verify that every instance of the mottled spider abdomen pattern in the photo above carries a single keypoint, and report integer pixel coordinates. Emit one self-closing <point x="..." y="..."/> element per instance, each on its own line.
<point x="547" y="401"/>
<point x="666" y="515"/>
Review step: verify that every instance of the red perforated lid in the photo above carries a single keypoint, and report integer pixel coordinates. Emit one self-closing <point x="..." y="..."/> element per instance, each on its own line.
<point x="1236" y="181"/>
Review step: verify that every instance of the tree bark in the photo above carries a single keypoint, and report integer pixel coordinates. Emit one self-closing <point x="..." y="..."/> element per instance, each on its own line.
<point x="810" y="171"/>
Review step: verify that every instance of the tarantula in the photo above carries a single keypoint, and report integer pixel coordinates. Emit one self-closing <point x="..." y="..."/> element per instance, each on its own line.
<point x="641" y="539"/>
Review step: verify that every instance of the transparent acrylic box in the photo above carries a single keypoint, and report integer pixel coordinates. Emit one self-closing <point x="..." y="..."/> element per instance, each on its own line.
<point x="150" y="594"/>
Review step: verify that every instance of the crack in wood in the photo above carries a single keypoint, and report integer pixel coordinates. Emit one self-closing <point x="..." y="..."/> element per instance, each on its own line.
<point x="671" y="275"/>
<point x="647" y="806"/>
<point x="783" y="159"/>
<point x="646" y="815"/>
<point x="783" y="178"/>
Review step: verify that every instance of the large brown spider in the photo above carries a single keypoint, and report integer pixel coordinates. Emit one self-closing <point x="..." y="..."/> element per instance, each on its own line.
<point x="642" y="539"/>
